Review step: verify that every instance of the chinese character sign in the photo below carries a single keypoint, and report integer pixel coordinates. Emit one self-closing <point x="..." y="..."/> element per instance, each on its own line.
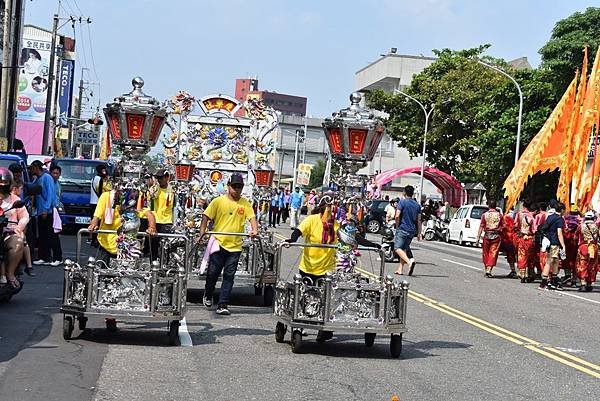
<point x="303" y="177"/>
<point x="33" y="80"/>
<point x="65" y="91"/>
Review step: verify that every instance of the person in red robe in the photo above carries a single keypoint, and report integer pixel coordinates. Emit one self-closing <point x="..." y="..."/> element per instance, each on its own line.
<point x="540" y="219"/>
<point x="527" y="253"/>
<point x="587" y="252"/>
<point x="508" y="242"/>
<point x="572" y="224"/>
<point x="491" y="228"/>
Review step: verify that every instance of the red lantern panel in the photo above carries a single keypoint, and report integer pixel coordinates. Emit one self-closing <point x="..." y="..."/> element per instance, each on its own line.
<point x="135" y="126"/>
<point x="157" y="123"/>
<point x="335" y="140"/>
<point x="184" y="172"/>
<point x="115" y="129"/>
<point x="264" y="178"/>
<point x="357" y="139"/>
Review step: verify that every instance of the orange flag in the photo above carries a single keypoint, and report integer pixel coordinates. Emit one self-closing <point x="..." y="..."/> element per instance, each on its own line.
<point x="584" y="129"/>
<point x="544" y="152"/>
<point x="106" y="148"/>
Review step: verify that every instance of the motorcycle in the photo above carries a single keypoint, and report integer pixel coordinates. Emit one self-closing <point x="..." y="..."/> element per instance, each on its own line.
<point x="436" y="229"/>
<point x="387" y="243"/>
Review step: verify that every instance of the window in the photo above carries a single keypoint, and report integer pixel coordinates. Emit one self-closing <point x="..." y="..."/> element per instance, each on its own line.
<point x="477" y="212"/>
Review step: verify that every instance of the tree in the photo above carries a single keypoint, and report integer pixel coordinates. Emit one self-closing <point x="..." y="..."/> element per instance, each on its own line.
<point x="563" y="53"/>
<point x="472" y="132"/>
<point x="316" y="174"/>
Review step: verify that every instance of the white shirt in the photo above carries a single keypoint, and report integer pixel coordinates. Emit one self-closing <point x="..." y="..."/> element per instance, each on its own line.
<point x="94" y="185"/>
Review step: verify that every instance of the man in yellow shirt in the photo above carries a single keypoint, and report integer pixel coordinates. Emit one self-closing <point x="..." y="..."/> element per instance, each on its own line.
<point x="107" y="218"/>
<point x="162" y="204"/>
<point x="228" y="213"/>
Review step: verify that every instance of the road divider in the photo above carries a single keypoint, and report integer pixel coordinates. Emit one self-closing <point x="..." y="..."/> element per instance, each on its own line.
<point x="550" y="352"/>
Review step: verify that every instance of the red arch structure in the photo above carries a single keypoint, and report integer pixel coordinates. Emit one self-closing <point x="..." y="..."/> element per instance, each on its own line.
<point x="451" y="188"/>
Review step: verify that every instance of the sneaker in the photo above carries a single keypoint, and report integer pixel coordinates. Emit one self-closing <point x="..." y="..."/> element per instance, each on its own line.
<point x="551" y="286"/>
<point x="558" y="286"/>
<point x="222" y="310"/>
<point x="207" y="301"/>
<point x="3" y="280"/>
<point x="56" y="263"/>
<point x="412" y="267"/>
<point x="543" y="285"/>
<point x="512" y="274"/>
<point x="39" y="262"/>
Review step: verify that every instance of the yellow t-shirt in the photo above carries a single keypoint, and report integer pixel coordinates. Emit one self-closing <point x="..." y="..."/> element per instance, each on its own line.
<point x="317" y="261"/>
<point x="107" y="241"/>
<point x="163" y="212"/>
<point x="229" y="216"/>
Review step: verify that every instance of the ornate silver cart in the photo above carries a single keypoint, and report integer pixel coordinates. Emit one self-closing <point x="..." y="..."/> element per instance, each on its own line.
<point x="349" y="302"/>
<point x="256" y="266"/>
<point x="127" y="290"/>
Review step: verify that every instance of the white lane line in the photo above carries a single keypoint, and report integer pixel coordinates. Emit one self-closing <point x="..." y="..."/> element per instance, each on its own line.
<point x="184" y="336"/>
<point x="462" y="264"/>
<point x="577" y="296"/>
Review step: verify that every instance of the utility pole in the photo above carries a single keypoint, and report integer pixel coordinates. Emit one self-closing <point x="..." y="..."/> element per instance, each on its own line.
<point x="78" y="114"/>
<point x="48" y="116"/>
<point x="4" y="84"/>
<point x="11" y="102"/>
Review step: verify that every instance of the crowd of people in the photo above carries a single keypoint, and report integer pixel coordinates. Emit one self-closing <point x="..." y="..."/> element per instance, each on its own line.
<point x="31" y="236"/>
<point x="540" y="240"/>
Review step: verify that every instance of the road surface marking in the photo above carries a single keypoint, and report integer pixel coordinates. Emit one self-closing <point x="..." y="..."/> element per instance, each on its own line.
<point x="279" y="236"/>
<point x="184" y="336"/>
<point x="462" y="264"/>
<point x="532" y="345"/>
<point x="578" y="297"/>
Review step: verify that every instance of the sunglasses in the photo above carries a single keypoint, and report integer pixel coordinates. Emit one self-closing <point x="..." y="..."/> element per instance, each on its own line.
<point x="237" y="186"/>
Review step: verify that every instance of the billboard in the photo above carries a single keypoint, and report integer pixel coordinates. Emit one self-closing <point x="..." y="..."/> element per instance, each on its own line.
<point x="33" y="89"/>
<point x="65" y="91"/>
<point x="303" y="174"/>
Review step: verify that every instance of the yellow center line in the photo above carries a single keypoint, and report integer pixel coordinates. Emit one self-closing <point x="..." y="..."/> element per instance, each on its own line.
<point x="535" y="346"/>
<point x="279" y="236"/>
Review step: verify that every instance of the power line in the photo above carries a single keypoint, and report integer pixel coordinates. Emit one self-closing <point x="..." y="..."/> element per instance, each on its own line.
<point x="92" y="52"/>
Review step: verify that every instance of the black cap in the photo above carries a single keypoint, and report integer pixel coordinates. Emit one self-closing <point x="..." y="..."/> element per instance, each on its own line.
<point x="236" y="178"/>
<point x="161" y="172"/>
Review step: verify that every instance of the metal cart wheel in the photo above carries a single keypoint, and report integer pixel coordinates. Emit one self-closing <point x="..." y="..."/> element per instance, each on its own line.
<point x="82" y="321"/>
<point x="269" y="295"/>
<point x="68" y="327"/>
<point x="296" y="341"/>
<point x="280" y="330"/>
<point x="111" y="325"/>
<point x="396" y="345"/>
<point x="173" y="332"/>
<point x="370" y="339"/>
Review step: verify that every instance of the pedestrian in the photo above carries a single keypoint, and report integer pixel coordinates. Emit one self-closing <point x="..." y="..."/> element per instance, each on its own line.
<point x="286" y="205"/>
<point x="55" y="245"/>
<point x="508" y="243"/>
<point x="572" y="223"/>
<point x="311" y="201"/>
<point x="280" y="205"/>
<point x="228" y="213"/>
<point x="274" y="208"/>
<point x="390" y="211"/>
<point x="296" y="202"/>
<point x="408" y="225"/>
<point x="554" y="245"/>
<point x="526" y="250"/>
<point x="44" y="211"/>
<point x="491" y="228"/>
<point x="587" y="254"/>
<point x="162" y="201"/>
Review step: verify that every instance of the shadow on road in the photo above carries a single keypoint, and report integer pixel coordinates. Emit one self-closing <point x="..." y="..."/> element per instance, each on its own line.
<point x="205" y="333"/>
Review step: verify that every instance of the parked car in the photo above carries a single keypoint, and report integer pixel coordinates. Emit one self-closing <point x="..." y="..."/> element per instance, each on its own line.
<point x="375" y="218"/>
<point x="464" y="225"/>
<point x="6" y="159"/>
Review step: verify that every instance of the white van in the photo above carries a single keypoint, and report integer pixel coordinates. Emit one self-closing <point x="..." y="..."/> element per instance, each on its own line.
<point x="464" y="225"/>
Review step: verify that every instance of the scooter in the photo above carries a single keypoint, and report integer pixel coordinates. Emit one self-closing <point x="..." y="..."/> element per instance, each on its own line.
<point x="436" y="230"/>
<point x="387" y="243"/>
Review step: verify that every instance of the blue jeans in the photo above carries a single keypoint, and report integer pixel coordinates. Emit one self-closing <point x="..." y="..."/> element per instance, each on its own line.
<point x="224" y="261"/>
<point x="402" y="240"/>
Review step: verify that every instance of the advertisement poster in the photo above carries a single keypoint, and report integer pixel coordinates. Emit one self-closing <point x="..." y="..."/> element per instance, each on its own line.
<point x="65" y="91"/>
<point x="33" y="80"/>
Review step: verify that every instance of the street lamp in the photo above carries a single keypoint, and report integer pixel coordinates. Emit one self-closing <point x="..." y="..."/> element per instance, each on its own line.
<point x="497" y="69"/>
<point x="427" y="114"/>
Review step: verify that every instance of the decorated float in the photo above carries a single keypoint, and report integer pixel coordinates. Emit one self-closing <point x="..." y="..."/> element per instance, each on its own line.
<point x="349" y="299"/>
<point x="131" y="286"/>
<point x="205" y="150"/>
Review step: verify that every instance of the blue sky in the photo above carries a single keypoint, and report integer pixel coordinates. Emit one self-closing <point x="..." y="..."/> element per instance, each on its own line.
<point x="309" y="48"/>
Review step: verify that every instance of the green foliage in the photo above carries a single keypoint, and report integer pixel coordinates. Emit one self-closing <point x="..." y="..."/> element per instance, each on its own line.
<point x="316" y="174"/>
<point x="473" y="128"/>
<point x="563" y="53"/>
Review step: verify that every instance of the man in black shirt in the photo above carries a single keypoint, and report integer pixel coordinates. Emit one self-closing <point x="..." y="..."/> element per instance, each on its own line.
<point x="555" y="245"/>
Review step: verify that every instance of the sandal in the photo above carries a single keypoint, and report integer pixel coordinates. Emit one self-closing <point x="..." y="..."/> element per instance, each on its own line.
<point x="14" y="283"/>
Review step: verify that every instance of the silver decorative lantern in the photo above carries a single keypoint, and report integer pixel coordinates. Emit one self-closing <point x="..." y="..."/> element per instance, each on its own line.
<point x="135" y="121"/>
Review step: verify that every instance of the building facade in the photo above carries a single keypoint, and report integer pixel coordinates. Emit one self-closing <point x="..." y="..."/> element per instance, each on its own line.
<point x="289" y="105"/>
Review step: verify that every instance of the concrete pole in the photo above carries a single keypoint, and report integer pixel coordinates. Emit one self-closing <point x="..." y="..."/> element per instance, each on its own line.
<point x="50" y="90"/>
<point x="295" y="161"/>
<point x="4" y="84"/>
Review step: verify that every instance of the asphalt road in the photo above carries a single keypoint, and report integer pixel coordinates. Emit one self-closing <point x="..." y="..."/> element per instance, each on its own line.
<point x="469" y="338"/>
